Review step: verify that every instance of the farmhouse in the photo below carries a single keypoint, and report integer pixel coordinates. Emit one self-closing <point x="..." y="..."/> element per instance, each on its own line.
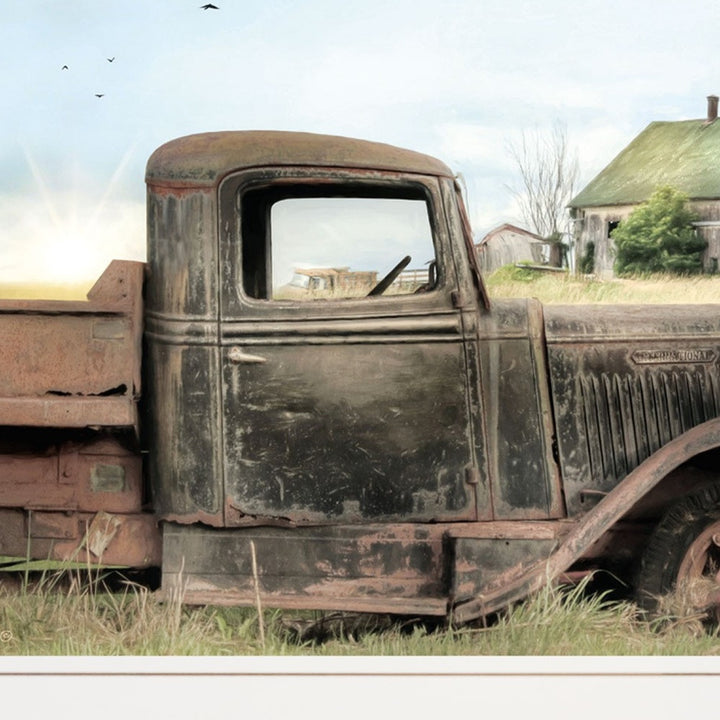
<point x="681" y="154"/>
<point x="508" y="244"/>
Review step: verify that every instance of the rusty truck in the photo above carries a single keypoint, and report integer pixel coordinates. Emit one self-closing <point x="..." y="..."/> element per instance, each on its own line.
<point x="427" y="450"/>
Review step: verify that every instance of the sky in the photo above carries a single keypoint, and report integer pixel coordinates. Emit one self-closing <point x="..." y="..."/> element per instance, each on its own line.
<point x="460" y="80"/>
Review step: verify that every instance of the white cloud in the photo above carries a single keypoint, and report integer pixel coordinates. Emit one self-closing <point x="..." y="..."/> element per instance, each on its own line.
<point x="476" y="144"/>
<point x="598" y="145"/>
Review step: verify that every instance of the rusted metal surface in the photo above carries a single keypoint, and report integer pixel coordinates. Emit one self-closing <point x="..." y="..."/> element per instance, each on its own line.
<point x="378" y="568"/>
<point x="519" y="581"/>
<point x="480" y="562"/>
<point x="481" y="552"/>
<point x="180" y="364"/>
<point x="77" y="496"/>
<point x="361" y="410"/>
<point x="509" y="530"/>
<point x="393" y="567"/>
<point x="85" y="473"/>
<point x="524" y="476"/>
<point x="74" y="364"/>
<point x="701" y="558"/>
<point x="127" y="540"/>
<point x="319" y="413"/>
<point x="626" y="380"/>
<point x="204" y="159"/>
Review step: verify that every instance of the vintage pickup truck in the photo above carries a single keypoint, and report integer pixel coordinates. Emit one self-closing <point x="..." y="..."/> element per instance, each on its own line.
<point x="378" y="444"/>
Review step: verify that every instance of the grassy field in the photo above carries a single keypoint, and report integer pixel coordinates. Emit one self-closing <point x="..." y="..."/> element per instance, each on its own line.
<point x="46" y="291"/>
<point x="557" y="288"/>
<point x="87" y="620"/>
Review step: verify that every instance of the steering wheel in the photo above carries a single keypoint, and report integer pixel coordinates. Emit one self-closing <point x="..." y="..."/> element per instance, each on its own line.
<point x="387" y="281"/>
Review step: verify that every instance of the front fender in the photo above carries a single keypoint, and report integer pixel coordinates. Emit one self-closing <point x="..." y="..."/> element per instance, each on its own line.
<point x="591" y="526"/>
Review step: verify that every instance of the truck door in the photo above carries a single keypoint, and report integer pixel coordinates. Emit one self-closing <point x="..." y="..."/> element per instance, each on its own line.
<point x="343" y="359"/>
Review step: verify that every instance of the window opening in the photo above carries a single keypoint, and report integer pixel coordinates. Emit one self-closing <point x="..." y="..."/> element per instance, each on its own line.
<point x="302" y="246"/>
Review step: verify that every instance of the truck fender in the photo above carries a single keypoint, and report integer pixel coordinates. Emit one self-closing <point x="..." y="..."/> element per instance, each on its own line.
<point x="507" y="589"/>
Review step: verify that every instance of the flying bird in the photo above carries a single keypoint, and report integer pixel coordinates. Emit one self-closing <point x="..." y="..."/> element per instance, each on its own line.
<point x="99" y="95"/>
<point x="209" y="6"/>
<point x="111" y="59"/>
<point x="64" y="67"/>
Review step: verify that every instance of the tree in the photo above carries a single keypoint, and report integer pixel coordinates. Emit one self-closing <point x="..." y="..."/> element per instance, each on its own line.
<point x="659" y="237"/>
<point x="549" y="172"/>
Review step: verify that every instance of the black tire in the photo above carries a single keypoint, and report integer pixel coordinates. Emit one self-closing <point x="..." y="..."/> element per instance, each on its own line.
<point x="681" y="535"/>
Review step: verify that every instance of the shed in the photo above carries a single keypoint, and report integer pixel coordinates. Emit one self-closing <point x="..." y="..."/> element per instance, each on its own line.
<point x="683" y="154"/>
<point x="509" y="244"/>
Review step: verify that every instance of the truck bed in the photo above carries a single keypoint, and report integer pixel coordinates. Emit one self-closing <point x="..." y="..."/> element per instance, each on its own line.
<point x="74" y="363"/>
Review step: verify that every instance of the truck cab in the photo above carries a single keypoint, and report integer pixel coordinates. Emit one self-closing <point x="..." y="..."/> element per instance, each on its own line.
<point x="381" y="410"/>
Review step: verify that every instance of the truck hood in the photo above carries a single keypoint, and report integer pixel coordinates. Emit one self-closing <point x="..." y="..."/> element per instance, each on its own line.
<point x="625" y="380"/>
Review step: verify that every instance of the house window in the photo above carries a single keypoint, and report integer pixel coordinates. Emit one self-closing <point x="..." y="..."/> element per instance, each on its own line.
<point x="612" y="224"/>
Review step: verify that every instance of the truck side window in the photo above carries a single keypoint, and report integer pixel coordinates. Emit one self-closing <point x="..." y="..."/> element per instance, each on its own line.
<point x="307" y="248"/>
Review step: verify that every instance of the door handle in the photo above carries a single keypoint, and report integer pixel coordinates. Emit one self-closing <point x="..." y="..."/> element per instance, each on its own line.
<point x="237" y="355"/>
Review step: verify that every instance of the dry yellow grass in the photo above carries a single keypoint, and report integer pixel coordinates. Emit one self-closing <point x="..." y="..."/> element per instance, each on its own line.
<point x="83" y="619"/>
<point x="556" y="288"/>
<point x="46" y="291"/>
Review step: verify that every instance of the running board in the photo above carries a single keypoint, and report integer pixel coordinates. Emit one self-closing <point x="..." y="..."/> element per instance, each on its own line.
<point x="395" y="569"/>
<point x="404" y="569"/>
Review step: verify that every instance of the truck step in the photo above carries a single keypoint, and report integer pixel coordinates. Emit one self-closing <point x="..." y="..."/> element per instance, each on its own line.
<point x="372" y="568"/>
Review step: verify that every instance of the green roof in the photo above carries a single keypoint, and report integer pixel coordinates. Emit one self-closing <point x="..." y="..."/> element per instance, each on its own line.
<point x="684" y="155"/>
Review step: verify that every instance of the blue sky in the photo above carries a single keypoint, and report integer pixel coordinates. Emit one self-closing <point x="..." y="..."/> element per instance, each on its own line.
<point x="457" y="79"/>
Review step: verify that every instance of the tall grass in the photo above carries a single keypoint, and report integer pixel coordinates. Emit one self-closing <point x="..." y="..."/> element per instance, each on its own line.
<point x="83" y="617"/>
<point x="86" y="619"/>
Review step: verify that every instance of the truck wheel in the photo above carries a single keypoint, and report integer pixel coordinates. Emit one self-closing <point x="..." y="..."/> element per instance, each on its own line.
<point x="683" y="555"/>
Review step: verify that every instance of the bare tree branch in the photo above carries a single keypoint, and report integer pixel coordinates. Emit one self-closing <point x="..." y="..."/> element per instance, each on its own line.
<point x="548" y="171"/>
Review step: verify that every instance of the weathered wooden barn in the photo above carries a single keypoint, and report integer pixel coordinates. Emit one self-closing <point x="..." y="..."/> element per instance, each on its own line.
<point x="507" y="245"/>
<point x="682" y="154"/>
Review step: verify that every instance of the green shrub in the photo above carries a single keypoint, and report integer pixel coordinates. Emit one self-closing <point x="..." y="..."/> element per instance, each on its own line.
<point x="659" y="237"/>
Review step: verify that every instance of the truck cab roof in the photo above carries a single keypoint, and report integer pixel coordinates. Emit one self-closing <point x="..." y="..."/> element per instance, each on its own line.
<point x="204" y="159"/>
